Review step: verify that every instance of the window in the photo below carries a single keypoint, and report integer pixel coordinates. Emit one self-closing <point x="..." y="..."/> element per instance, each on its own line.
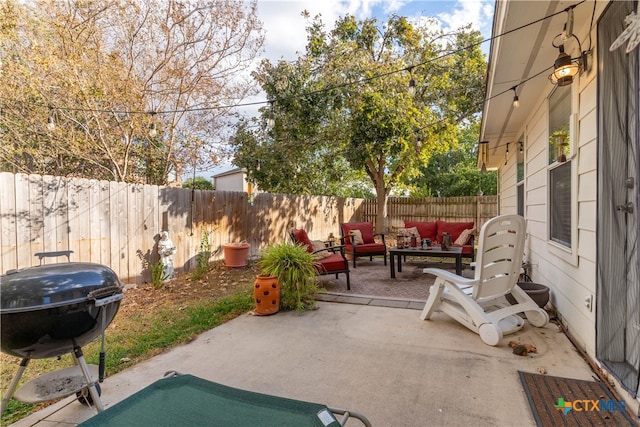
<point x="520" y="175"/>
<point x="560" y="166"/>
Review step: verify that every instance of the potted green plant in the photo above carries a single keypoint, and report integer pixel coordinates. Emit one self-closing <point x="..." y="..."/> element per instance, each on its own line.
<point x="295" y="269"/>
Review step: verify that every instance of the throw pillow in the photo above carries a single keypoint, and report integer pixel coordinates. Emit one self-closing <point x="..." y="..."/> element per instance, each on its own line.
<point x="318" y="245"/>
<point x="356" y="237"/>
<point x="409" y="232"/>
<point x="463" y="237"/>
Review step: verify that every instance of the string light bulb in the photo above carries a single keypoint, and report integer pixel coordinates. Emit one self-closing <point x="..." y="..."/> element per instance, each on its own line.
<point x="521" y="147"/>
<point x="51" y="124"/>
<point x="152" y="127"/>
<point x="412" y="82"/>
<point x="271" y="121"/>
<point x="516" y="100"/>
<point x="483" y="153"/>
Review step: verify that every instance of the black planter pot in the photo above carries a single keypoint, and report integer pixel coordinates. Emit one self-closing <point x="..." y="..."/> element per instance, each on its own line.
<point x="539" y="293"/>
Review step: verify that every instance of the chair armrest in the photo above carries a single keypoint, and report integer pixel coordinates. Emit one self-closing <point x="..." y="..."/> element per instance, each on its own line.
<point x="334" y="249"/>
<point x="381" y="235"/>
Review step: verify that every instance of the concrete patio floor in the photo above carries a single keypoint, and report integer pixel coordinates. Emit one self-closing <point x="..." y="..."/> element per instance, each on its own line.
<point x="380" y="360"/>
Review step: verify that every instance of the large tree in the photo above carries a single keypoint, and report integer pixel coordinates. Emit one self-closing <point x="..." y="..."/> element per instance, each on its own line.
<point x="108" y="71"/>
<point x="345" y="104"/>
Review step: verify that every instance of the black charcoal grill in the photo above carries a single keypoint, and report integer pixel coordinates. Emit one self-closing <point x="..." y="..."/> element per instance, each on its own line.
<point x="54" y="309"/>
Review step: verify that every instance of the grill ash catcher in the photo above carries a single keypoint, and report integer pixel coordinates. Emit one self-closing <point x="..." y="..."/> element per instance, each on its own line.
<point x="51" y="310"/>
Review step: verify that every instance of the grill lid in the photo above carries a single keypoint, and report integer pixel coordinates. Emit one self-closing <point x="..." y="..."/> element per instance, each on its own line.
<point x="55" y="285"/>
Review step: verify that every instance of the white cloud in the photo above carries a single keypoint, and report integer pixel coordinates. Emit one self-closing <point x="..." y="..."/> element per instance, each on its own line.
<point x="476" y="12"/>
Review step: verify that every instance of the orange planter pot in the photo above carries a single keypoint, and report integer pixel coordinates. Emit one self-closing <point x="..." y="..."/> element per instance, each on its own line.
<point x="266" y="292"/>
<point x="235" y="254"/>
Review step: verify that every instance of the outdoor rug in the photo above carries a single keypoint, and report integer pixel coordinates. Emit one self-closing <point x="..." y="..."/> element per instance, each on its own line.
<point x="559" y="401"/>
<point x="373" y="279"/>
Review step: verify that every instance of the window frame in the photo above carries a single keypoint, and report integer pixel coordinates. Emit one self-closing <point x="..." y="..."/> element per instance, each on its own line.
<point x="567" y="253"/>
<point x="521" y="202"/>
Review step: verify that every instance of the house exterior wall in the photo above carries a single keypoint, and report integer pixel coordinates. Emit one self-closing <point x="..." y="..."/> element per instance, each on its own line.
<point x="231" y="182"/>
<point x="571" y="275"/>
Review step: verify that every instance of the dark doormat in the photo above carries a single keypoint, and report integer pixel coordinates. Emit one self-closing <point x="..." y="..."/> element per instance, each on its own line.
<point x="559" y="401"/>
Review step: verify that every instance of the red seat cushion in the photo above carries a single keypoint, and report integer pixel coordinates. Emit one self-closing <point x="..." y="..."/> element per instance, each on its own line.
<point x="427" y="230"/>
<point x="334" y="262"/>
<point x="371" y="248"/>
<point x="302" y="238"/>
<point x="453" y="228"/>
<point x="366" y="228"/>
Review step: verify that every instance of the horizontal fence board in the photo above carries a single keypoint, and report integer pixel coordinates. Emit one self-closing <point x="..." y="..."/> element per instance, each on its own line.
<point x="119" y="224"/>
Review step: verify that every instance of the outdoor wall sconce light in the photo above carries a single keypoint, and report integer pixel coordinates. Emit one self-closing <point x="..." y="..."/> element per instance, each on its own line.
<point x="564" y="69"/>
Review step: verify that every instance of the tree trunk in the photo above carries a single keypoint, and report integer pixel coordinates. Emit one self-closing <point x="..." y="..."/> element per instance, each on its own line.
<point x="382" y="195"/>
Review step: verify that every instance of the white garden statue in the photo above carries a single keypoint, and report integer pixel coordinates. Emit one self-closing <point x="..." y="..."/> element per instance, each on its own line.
<point x="166" y="250"/>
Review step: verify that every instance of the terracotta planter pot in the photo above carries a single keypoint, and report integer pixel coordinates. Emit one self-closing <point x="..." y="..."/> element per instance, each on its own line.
<point x="266" y="292"/>
<point x="235" y="254"/>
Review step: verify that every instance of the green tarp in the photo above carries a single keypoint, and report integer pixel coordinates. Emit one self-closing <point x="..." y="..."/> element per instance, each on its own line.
<point x="185" y="400"/>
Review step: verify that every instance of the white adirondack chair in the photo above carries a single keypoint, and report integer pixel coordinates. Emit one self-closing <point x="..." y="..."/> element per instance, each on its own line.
<point x="479" y="303"/>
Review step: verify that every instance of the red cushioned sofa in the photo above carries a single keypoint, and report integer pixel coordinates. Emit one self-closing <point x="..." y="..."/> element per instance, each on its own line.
<point x="335" y="263"/>
<point x="434" y="230"/>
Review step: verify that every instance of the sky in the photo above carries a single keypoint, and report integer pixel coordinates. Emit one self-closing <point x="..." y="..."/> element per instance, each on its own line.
<point x="285" y="27"/>
<point x="285" y="34"/>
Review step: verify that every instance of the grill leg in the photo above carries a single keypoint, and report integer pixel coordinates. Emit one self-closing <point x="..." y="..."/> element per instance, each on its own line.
<point x="93" y="391"/>
<point x="14" y="384"/>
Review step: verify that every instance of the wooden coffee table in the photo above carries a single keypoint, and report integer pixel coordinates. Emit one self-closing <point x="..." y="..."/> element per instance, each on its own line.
<point x="435" y="251"/>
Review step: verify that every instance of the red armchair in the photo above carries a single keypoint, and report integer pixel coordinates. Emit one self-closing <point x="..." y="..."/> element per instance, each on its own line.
<point x="330" y="260"/>
<point x="368" y="247"/>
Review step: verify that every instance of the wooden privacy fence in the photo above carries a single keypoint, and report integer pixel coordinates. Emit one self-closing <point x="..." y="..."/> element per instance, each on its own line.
<point x="119" y="224"/>
<point x="478" y="209"/>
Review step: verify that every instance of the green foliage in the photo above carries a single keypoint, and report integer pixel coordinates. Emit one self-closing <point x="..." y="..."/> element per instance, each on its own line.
<point x="455" y="172"/>
<point x="158" y="275"/>
<point x="199" y="183"/>
<point x="203" y="257"/>
<point x="15" y="411"/>
<point x="295" y="269"/>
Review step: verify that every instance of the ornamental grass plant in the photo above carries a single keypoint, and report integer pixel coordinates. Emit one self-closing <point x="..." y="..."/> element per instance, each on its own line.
<point x="295" y="269"/>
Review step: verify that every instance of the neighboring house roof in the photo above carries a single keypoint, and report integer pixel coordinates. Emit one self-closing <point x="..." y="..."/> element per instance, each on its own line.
<point x="229" y="172"/>
<point x="523" y="58"/>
